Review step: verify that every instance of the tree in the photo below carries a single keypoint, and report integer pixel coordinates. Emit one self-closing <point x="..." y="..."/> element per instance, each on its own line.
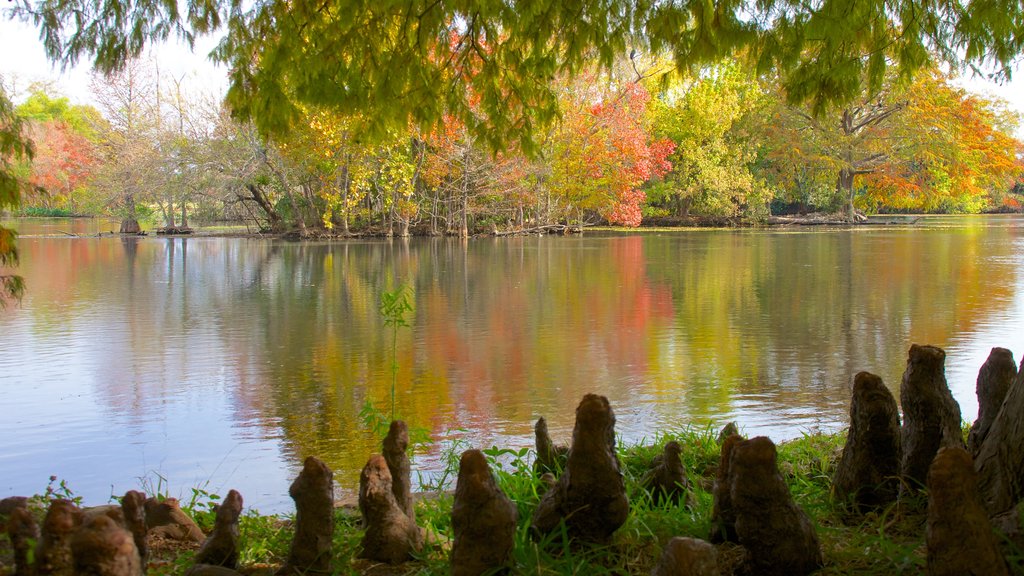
<point x="131" y="157"/>
<point x="66" y="136"/>
<point x="64" y="161"/>
<point x="849" y="141"/>
<point x="960" y="153"/>
<point x="602" y="152"/>
<point x="15" y="147"/>
<point x="926" y="146"/>
<point x="42" y="106"/>
<point x="393" y="62"/>
<point x="713" y="119"/>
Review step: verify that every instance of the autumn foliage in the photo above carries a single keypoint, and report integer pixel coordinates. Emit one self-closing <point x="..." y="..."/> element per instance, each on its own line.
<point x="959" y="153"/>
<point x="603" y="153"/>
<point x="64" y="160"/>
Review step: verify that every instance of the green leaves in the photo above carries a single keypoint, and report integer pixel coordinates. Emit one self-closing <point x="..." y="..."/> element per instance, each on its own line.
<point x="394" y="305"/>
<point x="15" y="147"/>
<point x="490" y="64"/>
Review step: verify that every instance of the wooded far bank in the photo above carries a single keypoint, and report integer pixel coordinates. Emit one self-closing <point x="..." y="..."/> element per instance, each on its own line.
<point x="635" y="143"/>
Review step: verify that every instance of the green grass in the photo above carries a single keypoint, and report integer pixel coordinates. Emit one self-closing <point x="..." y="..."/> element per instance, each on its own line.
<point x="43" y="212"/>
<point x="890" y="541"/>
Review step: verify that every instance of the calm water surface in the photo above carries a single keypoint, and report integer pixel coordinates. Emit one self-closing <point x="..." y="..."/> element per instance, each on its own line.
<point x="221" y="363"/>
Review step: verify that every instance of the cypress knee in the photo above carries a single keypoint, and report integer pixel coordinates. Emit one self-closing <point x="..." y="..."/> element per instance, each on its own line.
<point x="931" y="417"/>
<point x="868" y="472"/>
<point x="994" y="380"/>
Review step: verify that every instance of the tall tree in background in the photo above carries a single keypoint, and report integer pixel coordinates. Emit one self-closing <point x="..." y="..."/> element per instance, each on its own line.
<point x="42" y="105"/>
<point x="64" y="161"/>
<point x="602" y="151"/>
<point x="926" y="146"/>
<point x="960" y="155"/>
<point x="851" y="141"/>
<point x="714" y="120"/>
<point x="131" y="158"/>
<point x="65" y="135"/>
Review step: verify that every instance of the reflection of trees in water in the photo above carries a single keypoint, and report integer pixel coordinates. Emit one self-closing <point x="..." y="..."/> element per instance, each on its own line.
<point x="794" y="316"/>
<point x="508" y="329"/>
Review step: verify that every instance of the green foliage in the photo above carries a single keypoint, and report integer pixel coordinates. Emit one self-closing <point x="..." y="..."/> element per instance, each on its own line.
<point x="489" y="64"/>
<point x="15" y="147"/>
<point x="56" y="489"/>
<point x="45" y="212"/>
<point x="377" y="421"/>
<point x="41" y="107"/>
<point x="714" y="119"/>
<point x="262" y="539"/>
<point x="394" y="306"/>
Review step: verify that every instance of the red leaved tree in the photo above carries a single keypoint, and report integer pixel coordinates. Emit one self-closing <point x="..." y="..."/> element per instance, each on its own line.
<point x="64" y="161"/>
<point x="602" y="152"/>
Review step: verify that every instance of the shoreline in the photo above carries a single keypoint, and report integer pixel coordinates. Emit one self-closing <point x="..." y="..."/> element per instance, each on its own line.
<point x="656" y="225"/>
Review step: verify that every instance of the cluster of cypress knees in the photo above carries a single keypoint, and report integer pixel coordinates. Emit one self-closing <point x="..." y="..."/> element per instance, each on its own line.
<point x="973" y="490"/>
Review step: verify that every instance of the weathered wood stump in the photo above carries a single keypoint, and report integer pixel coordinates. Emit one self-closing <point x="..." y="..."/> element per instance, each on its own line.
<point x="133" y="505"/>
<point x="221" y="546"/>
<point x="994" y="380"/>
<point x="102" y="548"/>
<point x="666" y="479"/>
<point x="313" y="493"/>
<point x="550" y="458"/>
<point x="723" y="516"/>
<point x="687" y="557"/>
<point x="7" y="505"/>
<point x="730" y="429"/>
<point x="166" y="518"/>
<point x="390" y="535"/>
<point x="483" y="519"/>
<point x="396" y="445"/>
<point x="1010" y="525"/>
<point x="590" y="496"/>
<point x="931" y="417"/>
<point x="868" y="472"/>
<point x="53" y="554"/>
<point x="778" y="534"/>
<point x="1000" y="462"/>
<point x="959" y="536"/>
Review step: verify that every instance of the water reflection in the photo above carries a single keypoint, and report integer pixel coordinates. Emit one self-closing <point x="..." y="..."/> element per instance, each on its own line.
<point x="229" y="360"/>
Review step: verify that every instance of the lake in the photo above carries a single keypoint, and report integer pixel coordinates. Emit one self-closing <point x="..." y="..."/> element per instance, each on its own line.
<point x="219" y="363"/>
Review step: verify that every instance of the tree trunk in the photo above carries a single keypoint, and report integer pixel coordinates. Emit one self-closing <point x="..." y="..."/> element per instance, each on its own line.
<point x="346" y="185"/>
<point x="295" y="212"/>
<point x="844" y="190"/>
<point x="130" y="225"/>
<point x="184" y="215"/>
<point x="464" y="227"/>
<point x="276" y="222"/>
<point x="999" y="464"/>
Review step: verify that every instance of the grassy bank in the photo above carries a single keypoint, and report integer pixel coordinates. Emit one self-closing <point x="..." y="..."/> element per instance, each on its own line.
<point x="889" y="542"/>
